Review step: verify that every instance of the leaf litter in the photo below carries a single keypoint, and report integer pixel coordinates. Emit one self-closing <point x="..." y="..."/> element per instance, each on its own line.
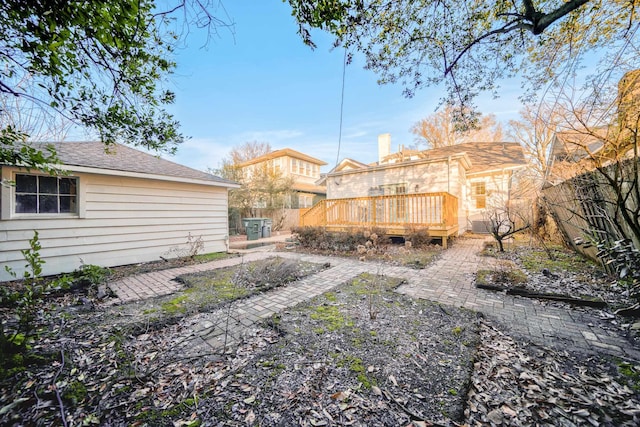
<point x="361" y="355"/>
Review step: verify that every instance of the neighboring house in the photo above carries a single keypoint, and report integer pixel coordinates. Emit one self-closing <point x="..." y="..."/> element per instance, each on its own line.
<point x="585" y="147"/>
<point x="110" y="208"/>
<point x="303" y="169"/>
<point x="571" y="152"/>
<point x="478" y="174"/>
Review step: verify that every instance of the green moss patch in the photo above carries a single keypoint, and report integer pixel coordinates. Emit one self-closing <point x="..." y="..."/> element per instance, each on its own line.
<point x="555" y="259"/>
<point x="514" y="277"/>
<point x="211" y="289"/>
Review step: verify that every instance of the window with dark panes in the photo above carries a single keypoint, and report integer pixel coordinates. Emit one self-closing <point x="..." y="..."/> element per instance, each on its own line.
<point x="39" y="194"/>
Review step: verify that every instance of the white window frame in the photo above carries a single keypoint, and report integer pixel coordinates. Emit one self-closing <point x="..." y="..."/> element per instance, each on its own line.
<point x="8" y="197"/>
<point x="305" y="200"/>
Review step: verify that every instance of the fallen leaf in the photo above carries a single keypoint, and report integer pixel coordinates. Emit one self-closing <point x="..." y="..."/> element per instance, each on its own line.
<point x="12" y="405"/>
<point x="328" y="415"/>
<point x="341" y="395"/>
<point x="393" y="380"/>
<point x="508" y="411"/>
<point x="582" y="413"/>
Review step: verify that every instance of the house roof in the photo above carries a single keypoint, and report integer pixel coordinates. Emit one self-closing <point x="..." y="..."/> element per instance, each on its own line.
<point x="309" y="188"/>
<point x="484" y="156"/>
<point x="575" y="145"/>
<point x="281" y="153"/>
<point x="460" y="157"/>
<point x="403" y="155"/>
<point x="119" y="157"/>
<point x="346" y="164"/>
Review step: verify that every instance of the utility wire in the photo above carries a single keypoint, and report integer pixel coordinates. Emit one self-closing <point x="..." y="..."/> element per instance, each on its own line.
<point x="344" y="72"/>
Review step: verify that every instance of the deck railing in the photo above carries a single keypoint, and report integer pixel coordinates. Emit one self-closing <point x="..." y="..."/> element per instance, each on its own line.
<point x="420" y="210"/>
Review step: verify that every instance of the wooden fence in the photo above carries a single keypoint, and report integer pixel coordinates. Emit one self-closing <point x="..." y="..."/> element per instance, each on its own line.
<point x="589" y="206"/>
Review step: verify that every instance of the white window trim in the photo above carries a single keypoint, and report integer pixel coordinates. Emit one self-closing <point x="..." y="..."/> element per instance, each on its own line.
<point x="8" y="198"/>
<point x="476" y="197"/>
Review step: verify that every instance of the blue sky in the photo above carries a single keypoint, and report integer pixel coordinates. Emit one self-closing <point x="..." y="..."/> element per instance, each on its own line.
<point x="261" y="83"/>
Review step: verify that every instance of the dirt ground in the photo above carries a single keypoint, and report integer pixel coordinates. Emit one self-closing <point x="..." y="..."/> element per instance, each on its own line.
<point x="360" y="355"/>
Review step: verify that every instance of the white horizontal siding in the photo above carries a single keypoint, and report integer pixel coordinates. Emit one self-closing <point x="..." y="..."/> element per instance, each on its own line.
<point x="125" y="221"/>
<point x="76" y="245"/>
<point x="71" y="224"/>
<point x="426" y="177"/>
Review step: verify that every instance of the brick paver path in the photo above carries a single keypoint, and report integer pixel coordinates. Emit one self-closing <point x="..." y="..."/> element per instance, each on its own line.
<point x="448" y="280"/>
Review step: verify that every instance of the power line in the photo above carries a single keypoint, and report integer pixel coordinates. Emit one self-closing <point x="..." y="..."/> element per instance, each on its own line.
<point x="344" y="72"/>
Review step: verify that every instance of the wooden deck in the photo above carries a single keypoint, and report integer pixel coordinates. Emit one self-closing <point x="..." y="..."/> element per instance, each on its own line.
<point x="397" y="214"/>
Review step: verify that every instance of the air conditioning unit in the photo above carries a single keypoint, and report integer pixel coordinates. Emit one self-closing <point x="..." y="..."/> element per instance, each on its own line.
<point x="481" y="227"/>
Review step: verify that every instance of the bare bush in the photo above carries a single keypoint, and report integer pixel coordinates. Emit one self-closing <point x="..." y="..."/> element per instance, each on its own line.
<point x="351" y="241"/>
<point x="418" y="237"/>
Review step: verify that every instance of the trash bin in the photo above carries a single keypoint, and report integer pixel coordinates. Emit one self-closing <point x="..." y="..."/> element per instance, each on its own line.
<point x="253" y="227"/>
<point x="266" y="227"/>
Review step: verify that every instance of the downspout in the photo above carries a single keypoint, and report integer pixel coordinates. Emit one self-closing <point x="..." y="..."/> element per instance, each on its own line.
<point x="449" y="190"/>
<point x="449" y="174"/>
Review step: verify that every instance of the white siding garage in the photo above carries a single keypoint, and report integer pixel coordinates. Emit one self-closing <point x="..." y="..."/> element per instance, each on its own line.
<point x="122" y="207"/>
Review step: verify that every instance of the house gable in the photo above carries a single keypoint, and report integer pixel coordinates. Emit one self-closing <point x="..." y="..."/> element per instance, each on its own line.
<point x="302" y="168"/>
<point x="349" y="164"/>
<point x="476" y="173"/>
<point x="417" y="176"/>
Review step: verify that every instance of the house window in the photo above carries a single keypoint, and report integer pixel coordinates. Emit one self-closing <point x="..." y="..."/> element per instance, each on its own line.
<point x="479" y="194"/>
<point x="392" y="189"/>
<point x="305" y="201"/>
<point x="39" y="194"/>
<point x="294" y="166"/>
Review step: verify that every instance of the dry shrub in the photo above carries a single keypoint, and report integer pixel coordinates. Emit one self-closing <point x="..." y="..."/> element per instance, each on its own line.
<point x="269" y="273"/>
<point x="381" y="235"/>
<point x="319" y="238"/>
<point x="310" y="237"/>
<point x="419" y="237"/>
